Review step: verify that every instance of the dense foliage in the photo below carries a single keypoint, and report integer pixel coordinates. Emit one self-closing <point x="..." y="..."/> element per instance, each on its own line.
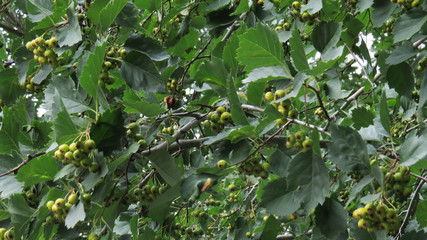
<point x="213" y="119"/>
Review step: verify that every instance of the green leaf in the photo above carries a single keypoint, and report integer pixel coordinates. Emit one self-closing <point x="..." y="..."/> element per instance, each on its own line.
<point x="243" y="7"/>
<point x="413" y="150"/>
<point x="110" y="12"/>
<point x="362" y="117"/>
<point x="260" y="47"/>
<point x="308" y="175"/>
<point x="401" y="54"/>
<point x="237" y="113"/>
<point x="69" y="34"/>
<point x="108" y="131"/>
<point x="213" y="72"/>
<point x="58" y="93"/>
<point x="75" y="215"/>
<point x="358" y="187"/>
<point x="382" y="12"/>
<point x="146" y="45"/>
<point x="362" y="5"/>
<point x="9" y="133"/>
<point x="150" y="5"/>
<point x="297" y="50"/>
<point x="423" y="92"/>
<point x="312" y="7"/>
<point x="20" y="214"/>
<point x="348" y="150"/>
<point x="421" y="213"/>
<point x="230" y="50"/>
<point x="408" y="24"/>
<point x="277" y="199"/>
<point x="266" y="74"/>
<point x="64" y="127"/>
<point x="382" y="108"/>
<point x="140" y="73"/>
<point x="9" y="186"/>
<point x="46" y="69"/>
<point x="134" y="104"/>
<point x="123" y="156"/>
<point x="271" y="229"/>
<point x="255" y="96"/>
<point x="128" y="17"/>
<point x="331" y="218"/>
<point x="42" y="131"/>
<point x="95" y="8"/>
<point x="414" y="235"/>
<point x="92" y="69"/>
<point x="279" y="162"/>
<point x="9" y="90"/>
<point x="325" y="37"/>
<point x="166" y="166"/>
<point x="38" y="170"/>
<point x="38" y="9"/>
<point x="401" y="79"/>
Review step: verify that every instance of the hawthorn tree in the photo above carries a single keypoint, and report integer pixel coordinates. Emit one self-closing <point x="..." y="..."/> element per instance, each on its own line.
<point x="213" y="119"/>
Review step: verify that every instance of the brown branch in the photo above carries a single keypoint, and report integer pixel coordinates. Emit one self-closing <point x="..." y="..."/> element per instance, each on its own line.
<point x="11" y="30"/>
<point x="319" y="99"/>
<point x="29" y="158"/>
<point x="187" y="65"/>
<point x="408" y="211"/>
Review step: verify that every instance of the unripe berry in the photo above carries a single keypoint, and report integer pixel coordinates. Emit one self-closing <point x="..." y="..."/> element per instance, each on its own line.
<point x="221" y="164"/>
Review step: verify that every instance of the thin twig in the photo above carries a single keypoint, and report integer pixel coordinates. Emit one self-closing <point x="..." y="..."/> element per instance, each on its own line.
<point x="29" y="158"/>
<point x="408" y="211"/>
<point x="187" y="65"/>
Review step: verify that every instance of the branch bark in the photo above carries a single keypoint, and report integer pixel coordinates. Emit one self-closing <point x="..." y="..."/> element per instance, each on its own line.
<point x="30" y="157"/>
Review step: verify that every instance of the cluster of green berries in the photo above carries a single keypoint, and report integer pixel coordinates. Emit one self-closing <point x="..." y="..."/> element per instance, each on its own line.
<point x="355" y="175"/>
<point x="112" y="61"/>
<point x="44" y="51"/>
<point x="77" y="153"/>
<point x="253" y="166"/>
<point x="399" y="128"/>
<point x="233" y="197"/>
<point x="377" y="216"/>
<point x="7" y="234"/>
<point x="389" y="26"/>
<point x="284" y="107"/>
<point x="148" y="193"/>
<point x="422" y="64"/>
<point x="299" y="142"/>
<point x="407" y="4"/>
<point x="60" y="208"/>
<point x="171" y="130"/>
<point x="303" y="17"/>
<point x="218" y="119"/>
<point x="191" y="232"/>
<point x="210" y="201"/>
<point x="200" y="214"/>
<point x="30" y="86"/>
<point x="344" y="194"/>
<point x="319" y="113"/>
<point x="416" y="95"/>
<point x="398" y="181"/>
<point x="30" y="195"/>
<point x="132" y="132"/>
<point x="174" y="88"/>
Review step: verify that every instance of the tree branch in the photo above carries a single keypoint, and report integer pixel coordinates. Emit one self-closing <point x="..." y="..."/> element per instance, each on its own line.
<point x="408" y="211"/>
<point x="11" y="30"/>
<point x="30" y="157"/>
